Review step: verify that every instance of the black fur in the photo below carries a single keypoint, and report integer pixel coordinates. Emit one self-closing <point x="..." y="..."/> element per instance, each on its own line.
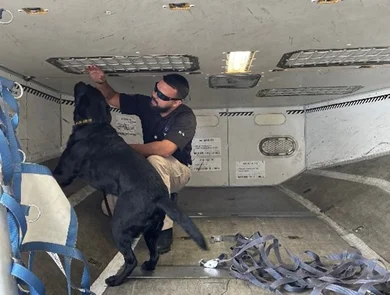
<point x="97" y="154"/>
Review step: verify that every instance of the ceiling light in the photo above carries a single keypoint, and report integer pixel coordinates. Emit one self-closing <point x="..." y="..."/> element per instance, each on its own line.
<point x="239" y="61"/>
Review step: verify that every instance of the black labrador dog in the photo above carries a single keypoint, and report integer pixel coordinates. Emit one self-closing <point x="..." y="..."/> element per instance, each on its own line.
<point x="96" y="153"/>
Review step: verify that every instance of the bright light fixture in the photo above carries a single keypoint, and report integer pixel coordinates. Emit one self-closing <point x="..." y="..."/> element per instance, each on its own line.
<point x="239" y="61"/>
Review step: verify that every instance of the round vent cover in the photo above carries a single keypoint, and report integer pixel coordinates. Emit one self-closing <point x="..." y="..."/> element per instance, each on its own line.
<point x="277" y="146"/>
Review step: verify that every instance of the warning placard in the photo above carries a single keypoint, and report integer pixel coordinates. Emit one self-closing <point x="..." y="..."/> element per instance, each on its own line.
<point x="125" y="125"/>
<point x="206" y="147"/>
<point x="250" y="169"/>
<point x="207" y="164"/>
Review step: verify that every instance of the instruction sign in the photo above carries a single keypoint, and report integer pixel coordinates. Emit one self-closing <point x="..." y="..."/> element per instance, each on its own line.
<point x="206" y="147"/>
<point x="125" y="125"/>
<point x="250" y="169"/>
<point x="207" y="164"/>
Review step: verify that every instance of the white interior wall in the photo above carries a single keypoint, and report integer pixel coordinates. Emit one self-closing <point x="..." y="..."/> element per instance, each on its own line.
<point x="129" y="127"/>
<point x="223" y="138"/>
<point x="210" y="154"/>
<point x="43" y="123"/>
<point x="226" y="137"/>
<point x="247" y="165"/>
<point x="210" y="166"/>
<point x="348" y="129"/>
<point x="341" y="130"/>
<point x="39" y="124"/>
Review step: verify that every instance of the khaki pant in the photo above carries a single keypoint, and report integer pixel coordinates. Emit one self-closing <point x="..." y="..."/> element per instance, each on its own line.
<point x="174" y="174"/>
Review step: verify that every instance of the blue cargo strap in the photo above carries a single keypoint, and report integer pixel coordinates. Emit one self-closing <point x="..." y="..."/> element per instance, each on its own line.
<point x="10" y="197"/>
<point x="346" y="273"/>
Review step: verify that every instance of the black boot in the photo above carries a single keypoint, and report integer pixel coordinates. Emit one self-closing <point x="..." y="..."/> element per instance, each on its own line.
<point x="164" y="241"/>
<point x="165" y="238"/>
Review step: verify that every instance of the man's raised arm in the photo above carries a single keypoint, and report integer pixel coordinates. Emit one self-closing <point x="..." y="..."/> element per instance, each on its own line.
<point x="111" y="96"/>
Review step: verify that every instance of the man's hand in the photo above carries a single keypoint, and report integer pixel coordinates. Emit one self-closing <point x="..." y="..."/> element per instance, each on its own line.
<point x="164" y="148"/>
<point x="96" y="74"/>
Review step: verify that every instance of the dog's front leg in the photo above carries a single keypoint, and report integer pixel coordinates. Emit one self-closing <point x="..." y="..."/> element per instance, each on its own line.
<point x="65" y="171"/>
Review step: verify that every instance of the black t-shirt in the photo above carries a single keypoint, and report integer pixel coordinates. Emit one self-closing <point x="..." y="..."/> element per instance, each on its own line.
<point x="179" y="126"/>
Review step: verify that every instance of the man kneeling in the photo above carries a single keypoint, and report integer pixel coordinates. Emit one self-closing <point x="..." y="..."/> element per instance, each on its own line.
<point x="168" y="129"/>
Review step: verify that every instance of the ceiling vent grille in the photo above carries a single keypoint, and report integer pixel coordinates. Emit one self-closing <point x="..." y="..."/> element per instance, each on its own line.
<point x="277" y="146"/>
<point x="128" y="64"/>
<point x="305" y="91"/>
<point x="236" y="81"/>
<point x="336" y="57"/>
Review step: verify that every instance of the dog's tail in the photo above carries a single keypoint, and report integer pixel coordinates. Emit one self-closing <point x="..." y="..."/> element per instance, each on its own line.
<point x="183" y="220"/>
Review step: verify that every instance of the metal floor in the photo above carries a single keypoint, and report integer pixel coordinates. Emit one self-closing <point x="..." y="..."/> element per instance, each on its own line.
<point x="354" y="196"/>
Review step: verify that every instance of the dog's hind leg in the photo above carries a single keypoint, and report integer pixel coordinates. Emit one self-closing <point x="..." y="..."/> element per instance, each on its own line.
<point x="151" y="235"/>
<point x="124" y="232"/>
<point x="124" y="246"/>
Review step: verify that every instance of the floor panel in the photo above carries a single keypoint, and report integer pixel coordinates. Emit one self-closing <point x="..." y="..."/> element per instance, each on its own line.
<point x="244" y="202"/>
<point x="376" y="167"/>
<point x="361" y="209"/>
<point x="296" y="234"/>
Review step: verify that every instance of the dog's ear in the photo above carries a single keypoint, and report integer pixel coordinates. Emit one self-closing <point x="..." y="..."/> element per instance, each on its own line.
<point x="79" y="90"/>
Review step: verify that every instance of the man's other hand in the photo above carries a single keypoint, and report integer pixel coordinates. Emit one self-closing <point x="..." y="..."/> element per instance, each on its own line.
<point x="96" y="74"/>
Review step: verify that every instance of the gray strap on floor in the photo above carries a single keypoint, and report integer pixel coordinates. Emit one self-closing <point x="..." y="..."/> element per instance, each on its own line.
<point x="347" y="273"/>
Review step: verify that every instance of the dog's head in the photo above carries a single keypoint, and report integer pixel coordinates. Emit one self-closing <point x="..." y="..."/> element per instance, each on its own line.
<point x="90" y="105"/>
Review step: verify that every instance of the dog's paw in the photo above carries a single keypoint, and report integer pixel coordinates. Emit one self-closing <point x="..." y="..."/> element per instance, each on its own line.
<point x="113" y="281"/>
<point x="148" y="265"/>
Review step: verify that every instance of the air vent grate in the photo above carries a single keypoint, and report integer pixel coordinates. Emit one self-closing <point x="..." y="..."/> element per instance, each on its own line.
<point x="237" y="81"/>
<point x="277" y="146"/>
<point x="303" y="91"/>
<point x="128" y="64"/>
<point x="336" y="57"/>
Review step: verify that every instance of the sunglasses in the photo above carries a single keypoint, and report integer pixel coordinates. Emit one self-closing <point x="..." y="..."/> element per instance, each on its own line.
<point x="162" y="96"/>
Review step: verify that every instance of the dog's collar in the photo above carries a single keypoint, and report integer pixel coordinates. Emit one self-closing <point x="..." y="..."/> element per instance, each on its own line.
<point x="82" y="122"/>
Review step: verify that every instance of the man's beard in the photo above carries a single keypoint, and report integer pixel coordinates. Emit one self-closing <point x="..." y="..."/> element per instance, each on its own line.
<point x="157" y="107"/>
